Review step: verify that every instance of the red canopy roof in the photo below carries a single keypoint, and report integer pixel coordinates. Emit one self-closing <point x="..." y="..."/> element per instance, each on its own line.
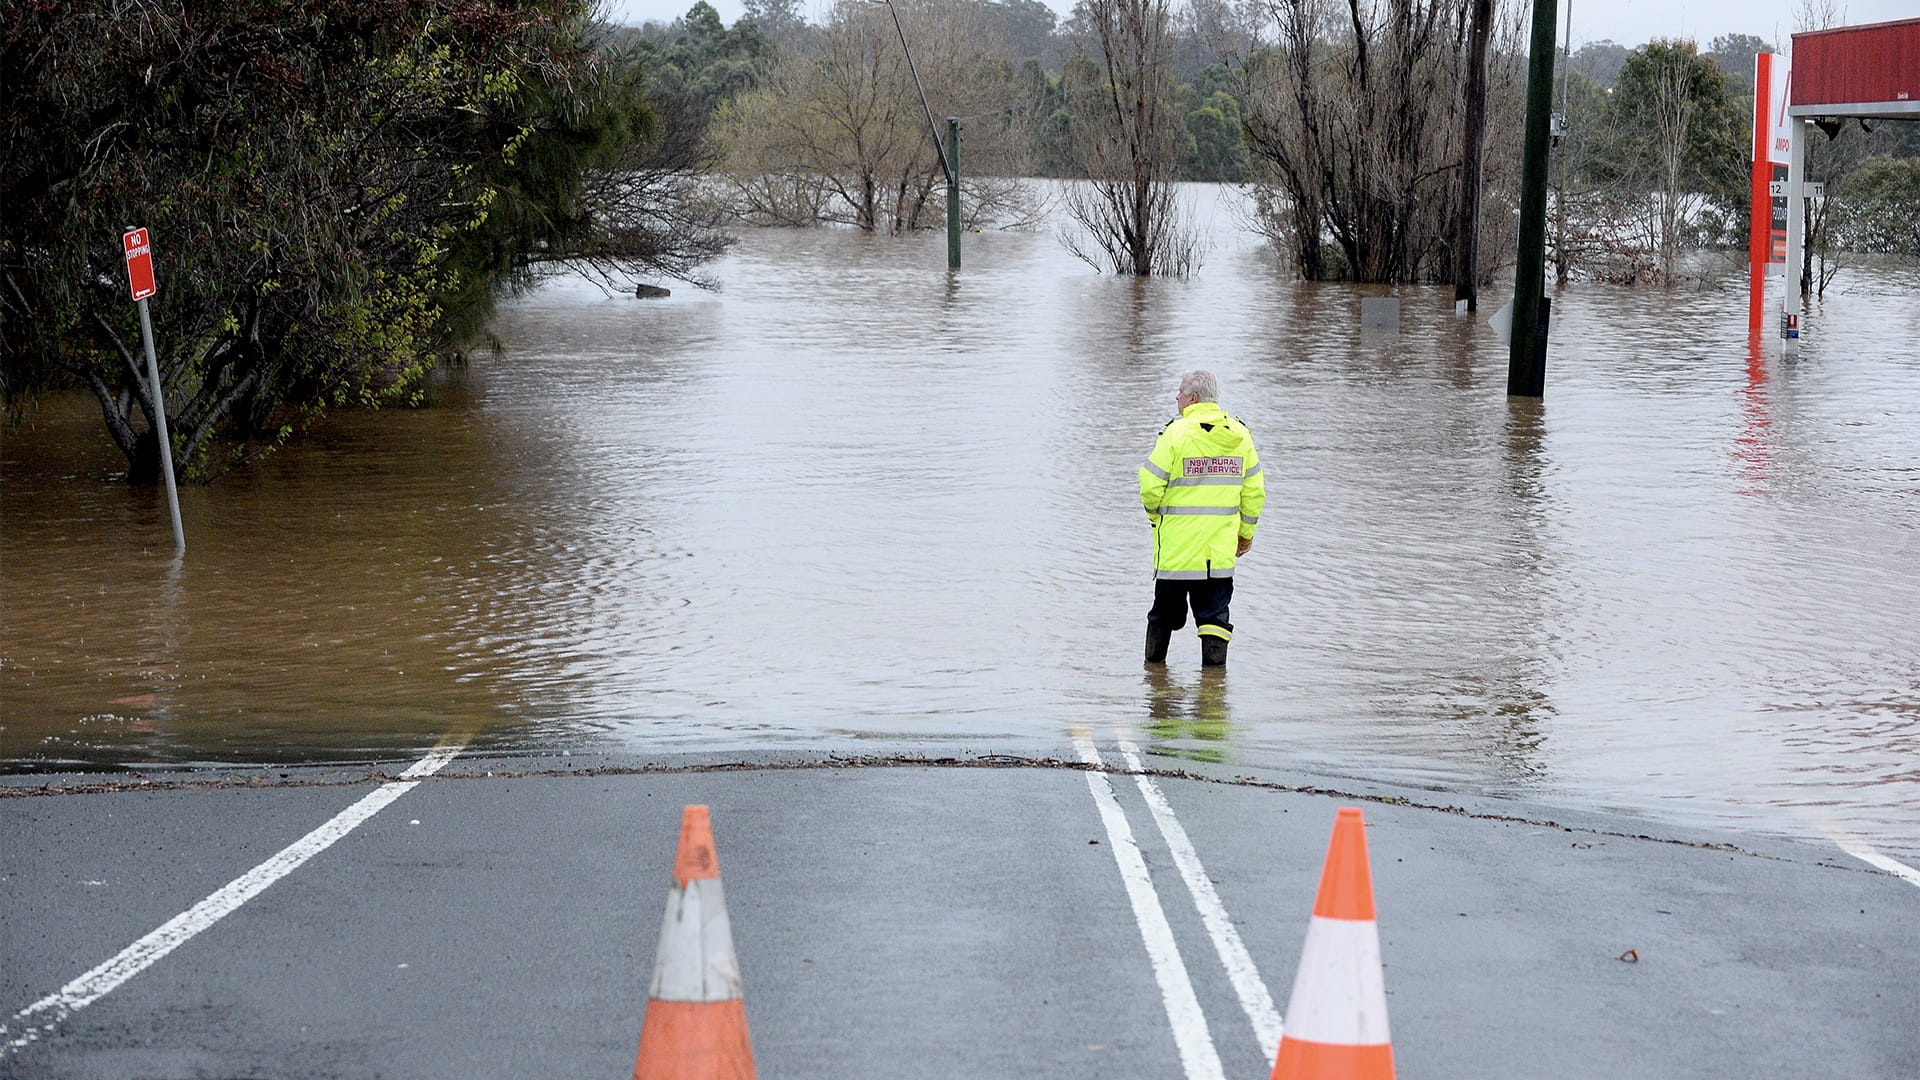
<point x="1871" y="70"/>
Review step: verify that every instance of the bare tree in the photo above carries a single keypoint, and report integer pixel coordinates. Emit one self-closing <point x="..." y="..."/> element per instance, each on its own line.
<point x="839" y="134"/>
<point x="832" y="130"/>
<point x="1354" y="111"/>
<point x="1128" y="139"/>
<point x="1466" y="273"/>
<point x="1670" y="115"/>
<point x="656" y="219"/>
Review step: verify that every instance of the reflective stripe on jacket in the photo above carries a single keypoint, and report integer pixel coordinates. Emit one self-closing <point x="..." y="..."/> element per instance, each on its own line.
<point x="1202" y="490"/>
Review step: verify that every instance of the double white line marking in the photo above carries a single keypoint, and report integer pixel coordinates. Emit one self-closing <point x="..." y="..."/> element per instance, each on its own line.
<point x="1860" y="849"/>
<point x="1190" y="1031"/>
<point x="30" y="1023"/>
<point x="1197" y="1052"/>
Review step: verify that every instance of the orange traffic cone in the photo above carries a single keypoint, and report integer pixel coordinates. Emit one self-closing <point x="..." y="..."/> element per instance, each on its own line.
<point x="1336" y="1022"/>
<point x="696" y="1022"/>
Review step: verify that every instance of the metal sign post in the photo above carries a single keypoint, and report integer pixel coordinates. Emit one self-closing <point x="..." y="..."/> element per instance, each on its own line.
<point x="953" y="193"/>
<point x="140" y="280"/>
<point x="949" y="166"/>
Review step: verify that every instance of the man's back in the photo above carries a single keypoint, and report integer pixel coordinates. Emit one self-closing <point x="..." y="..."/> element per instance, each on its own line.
<point x="1204" y="488"/>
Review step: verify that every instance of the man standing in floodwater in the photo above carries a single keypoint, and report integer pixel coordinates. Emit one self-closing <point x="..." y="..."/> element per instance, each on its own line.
<point x="1203" y="491"/>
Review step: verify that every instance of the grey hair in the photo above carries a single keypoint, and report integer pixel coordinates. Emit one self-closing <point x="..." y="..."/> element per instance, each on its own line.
<point x="1201" y="384"/>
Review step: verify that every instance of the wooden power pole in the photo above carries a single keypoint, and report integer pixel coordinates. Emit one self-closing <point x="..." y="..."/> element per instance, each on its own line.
<point x="1527" y="351"/>
<point x="1466" y="267"/>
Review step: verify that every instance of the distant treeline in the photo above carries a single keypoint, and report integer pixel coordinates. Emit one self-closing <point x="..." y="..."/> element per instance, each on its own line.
<point x="1347" y="121"/>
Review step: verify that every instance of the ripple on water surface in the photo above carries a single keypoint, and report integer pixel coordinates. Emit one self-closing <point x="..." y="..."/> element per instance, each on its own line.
<point x="848" y="496"/>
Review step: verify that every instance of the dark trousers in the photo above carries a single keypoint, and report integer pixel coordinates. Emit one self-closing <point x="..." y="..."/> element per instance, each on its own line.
<point x="1209" y="598"/>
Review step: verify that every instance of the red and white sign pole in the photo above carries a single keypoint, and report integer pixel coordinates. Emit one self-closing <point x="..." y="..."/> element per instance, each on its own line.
<point x="140" y="280"/>
<point x="1767" y="236"/>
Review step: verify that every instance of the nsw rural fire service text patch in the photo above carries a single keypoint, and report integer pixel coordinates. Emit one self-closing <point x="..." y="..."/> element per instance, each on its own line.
<point x="1212" y="466"/>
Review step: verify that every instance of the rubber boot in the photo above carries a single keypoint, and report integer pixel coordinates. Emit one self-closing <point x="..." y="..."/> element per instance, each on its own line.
<point x="1213" y="651"/>
<point x="1157" y="642"/>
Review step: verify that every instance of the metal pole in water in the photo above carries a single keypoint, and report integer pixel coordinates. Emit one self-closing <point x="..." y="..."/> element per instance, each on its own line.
<point x="157" y="397"/>
<point x="1795" y="282"/>
<point x="940" y="152"/>
<point x="1527" y="353"/>
<point x="953" y="193"/>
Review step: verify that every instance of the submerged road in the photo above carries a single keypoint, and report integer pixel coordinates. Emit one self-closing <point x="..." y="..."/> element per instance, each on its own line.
<point x="906" y="917"/>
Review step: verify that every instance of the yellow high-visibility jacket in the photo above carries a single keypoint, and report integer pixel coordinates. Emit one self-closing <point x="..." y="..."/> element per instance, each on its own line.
<point x="1202" y="491"/>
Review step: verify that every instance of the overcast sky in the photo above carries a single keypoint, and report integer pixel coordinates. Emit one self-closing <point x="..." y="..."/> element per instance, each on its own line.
<point x="1629" y="22"/>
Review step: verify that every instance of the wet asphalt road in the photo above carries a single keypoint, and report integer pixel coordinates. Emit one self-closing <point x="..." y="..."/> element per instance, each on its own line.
<point x="900" y="919"/>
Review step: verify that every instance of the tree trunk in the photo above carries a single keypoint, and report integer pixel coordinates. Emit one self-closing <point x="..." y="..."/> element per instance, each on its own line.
<point x="1810" y="225"/>
<point x="1466" y="270"/>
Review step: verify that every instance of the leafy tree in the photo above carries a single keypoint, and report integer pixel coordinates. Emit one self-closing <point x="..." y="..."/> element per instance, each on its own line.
<point x="1051" y="121"/>
<point x="1850" y="217"/>
<point x="1218" y="150"/>
<point x="1026" y="27"/>
<point x="783" y="21"/>
<point x="1214" y="79"/>
<point x="1901" y="139"/>
<point x="1734" y="54"/>
<point x="699" y="62"/>
<point x="591" y="186"/>
<point x="643" y="202"/>
<point x="1600" y="61"/>
<point x="694" y="67"/>
<point x="1881" y="209"/>
<point x="334" y="191"/>
<point x="1679" y="138"/>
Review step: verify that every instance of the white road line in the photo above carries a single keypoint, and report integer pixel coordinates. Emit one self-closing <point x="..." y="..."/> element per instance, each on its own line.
<point x="1858" y="848"/>
<point x="1197" y="1052"/>
<point x="55" y="1008"/>
<point x="1861" y="850"/>
<point x="1252" y="990"/>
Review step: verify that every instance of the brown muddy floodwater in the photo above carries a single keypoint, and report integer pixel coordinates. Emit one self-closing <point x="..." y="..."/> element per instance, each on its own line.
<point x="848" y="501"/>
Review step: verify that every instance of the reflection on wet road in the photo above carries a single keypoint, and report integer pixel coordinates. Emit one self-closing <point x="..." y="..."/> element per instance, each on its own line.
<point x="851" y="498"/>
